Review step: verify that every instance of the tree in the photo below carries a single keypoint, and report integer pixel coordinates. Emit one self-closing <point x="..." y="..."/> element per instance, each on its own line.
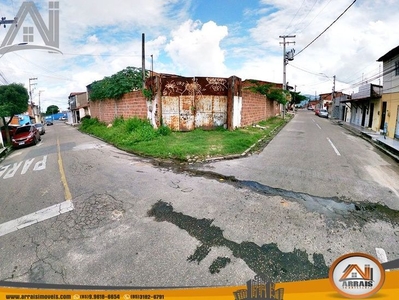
<point x="297" y="97"/>
<point x="115" y="86"/>
<point x="52" y="109"/>
<point x="13" y="101"/>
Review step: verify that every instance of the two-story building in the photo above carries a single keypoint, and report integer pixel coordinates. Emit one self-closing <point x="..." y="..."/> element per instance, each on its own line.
<point x="79" y="106"/>
<point x="389" y="109"/>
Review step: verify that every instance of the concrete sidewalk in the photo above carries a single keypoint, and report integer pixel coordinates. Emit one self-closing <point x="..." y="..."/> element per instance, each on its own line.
<point x="386" y="144"/>
<point x="4" y="152"/>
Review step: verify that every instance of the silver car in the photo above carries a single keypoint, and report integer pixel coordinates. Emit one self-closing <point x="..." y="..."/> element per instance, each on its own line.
<point x="40" y="128"/>
<point x="323" y="113"/>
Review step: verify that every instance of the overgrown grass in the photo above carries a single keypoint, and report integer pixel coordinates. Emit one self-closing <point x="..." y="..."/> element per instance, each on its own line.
<point x="138" y="136"/>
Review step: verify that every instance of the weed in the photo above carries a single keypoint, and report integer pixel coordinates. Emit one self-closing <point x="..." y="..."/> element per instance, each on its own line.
<point x="138" y="136"/>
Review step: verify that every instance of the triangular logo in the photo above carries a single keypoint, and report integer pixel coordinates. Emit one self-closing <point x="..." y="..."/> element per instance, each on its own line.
<point x="50" y="34"/>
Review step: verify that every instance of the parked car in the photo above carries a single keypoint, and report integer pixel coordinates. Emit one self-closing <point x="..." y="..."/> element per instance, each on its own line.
<point x="49" y="122"/>
<point x="25" y="135"/>
<point x="323" y="113"/>
<point x="41" y="128"/>
<point x="63" y="118"/>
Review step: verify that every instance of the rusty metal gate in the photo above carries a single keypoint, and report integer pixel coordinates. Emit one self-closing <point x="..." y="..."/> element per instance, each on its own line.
<point x="194" y="103"/>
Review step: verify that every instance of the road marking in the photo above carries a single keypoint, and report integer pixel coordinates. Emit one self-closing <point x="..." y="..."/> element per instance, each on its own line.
<point x="335" y="149"/>
<point x="316" y="124"/>
<point x="67" y="192"/>
<point x="36" y="217"/>
<point x="381" y="256"/>
<point x="9" y="171"/>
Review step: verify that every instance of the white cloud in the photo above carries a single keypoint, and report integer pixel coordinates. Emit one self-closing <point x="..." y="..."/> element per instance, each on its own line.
<point x="92" y="39"/>
<point x="100" y="38"/>
<point x="195" y="48"/>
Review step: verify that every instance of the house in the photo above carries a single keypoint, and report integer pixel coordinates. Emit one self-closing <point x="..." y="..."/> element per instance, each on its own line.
<point x="364" y="106"/>
<point x="79" y="106"/>
<point x="388" y="110"/>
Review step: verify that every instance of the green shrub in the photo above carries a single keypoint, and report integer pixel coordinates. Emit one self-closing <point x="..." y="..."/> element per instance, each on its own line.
<point x="89" y="122"/>
<point x="118" y="121"/>
<point x="143" y="133"/>
<point x="164" y="130"/>
<point x="133" y="124"/>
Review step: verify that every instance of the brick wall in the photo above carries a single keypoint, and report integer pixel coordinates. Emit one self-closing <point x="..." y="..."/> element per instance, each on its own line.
<point x="132" y="104"/>
<point x="256" y="107"/>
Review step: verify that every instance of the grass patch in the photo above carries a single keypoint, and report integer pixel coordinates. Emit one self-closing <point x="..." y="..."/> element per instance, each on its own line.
<point x="138" y="136"/>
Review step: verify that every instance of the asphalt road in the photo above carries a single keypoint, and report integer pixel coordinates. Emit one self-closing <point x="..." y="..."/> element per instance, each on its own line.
<point x="77" y="211"/>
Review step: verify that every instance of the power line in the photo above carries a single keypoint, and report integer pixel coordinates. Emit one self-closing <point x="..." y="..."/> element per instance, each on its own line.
<point x="295" y="15"/>
<point x="327" y="27"/>
<point x="359" y="83"/>
<point x="301" y="30"/>
<point x="304" y="18"/>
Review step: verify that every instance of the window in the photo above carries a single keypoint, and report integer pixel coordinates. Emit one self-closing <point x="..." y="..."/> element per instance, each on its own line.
<point x="396" y="68"/>
<point x="28" y="34"/>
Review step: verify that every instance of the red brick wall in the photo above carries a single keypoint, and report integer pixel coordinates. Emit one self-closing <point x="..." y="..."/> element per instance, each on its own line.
<point x="132" y="104"/>
<point x="256" y="108"/>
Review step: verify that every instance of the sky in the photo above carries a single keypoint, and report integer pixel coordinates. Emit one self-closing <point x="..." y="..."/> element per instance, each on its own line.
<point x="218" y="38"/>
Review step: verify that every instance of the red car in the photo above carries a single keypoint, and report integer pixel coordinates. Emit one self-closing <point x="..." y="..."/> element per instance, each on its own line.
<point x="25" y="135"/>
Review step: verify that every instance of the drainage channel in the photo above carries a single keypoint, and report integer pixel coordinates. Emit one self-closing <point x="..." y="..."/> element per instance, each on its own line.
<point x="331" y="207"/>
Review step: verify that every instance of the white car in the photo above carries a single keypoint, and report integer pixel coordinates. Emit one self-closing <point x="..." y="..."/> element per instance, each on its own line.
<point x="323" y="113"/>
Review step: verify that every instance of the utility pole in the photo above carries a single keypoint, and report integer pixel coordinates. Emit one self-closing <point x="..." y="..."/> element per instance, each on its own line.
<point x="40" y="111"/>
<point x="333" y="90"/>
<point x="30" y="95"/>
<point x="30" y="89"/>
<point x="286" y="57"/>
<point x="332" y="98"/>
<point x="143" y="57"/>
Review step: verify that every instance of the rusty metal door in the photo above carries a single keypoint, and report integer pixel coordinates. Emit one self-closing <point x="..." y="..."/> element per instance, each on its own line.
<point x="185" y="113"/>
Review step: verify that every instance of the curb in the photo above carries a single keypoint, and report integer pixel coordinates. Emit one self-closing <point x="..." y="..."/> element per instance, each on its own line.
<point x="246" y="152"/>
<point x="4" y="152"/>
<point x="368" y="138"/>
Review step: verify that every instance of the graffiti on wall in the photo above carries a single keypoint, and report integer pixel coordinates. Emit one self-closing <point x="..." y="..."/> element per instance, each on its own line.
<point x="195" y="86"/>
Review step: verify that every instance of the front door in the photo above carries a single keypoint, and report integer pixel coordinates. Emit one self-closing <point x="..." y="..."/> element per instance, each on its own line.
<point x="383" y="113"/>
<point x="371" y="115"/>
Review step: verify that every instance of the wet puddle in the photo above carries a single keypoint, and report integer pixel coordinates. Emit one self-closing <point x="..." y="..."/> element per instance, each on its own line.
<point x="267" y="260"/>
